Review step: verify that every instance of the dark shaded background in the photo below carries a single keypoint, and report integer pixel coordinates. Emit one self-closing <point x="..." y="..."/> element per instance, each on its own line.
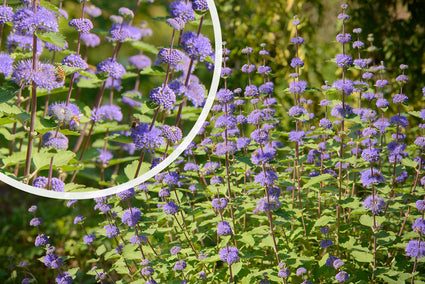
<point x="398" y="29"/>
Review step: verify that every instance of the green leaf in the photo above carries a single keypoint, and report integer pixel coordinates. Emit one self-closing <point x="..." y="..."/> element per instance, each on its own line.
<point x="20" y="55"/>
<point x="209" y="59"/>
<point x="70" y="70"/>
<point x="324" y="220"/>
<point x="216" y="130"/>
<point x="6" y="120"/>
<point x="140" y="281"/>
<point x="247" y="239"/>
<point x="145" y="47"/>
<point x="53" y="38"/>
<point x="73" y="271"/>
<point x="15" y="158"/>
<point x="303" y="117"/>
<point x="404" y="276"/>
<point x="119" y="138"/>
<point x="409" y="163"/>
<point x="89" y="154"/>
<point x="7" y="94"/>
<point x="415" y="113"/>
<point x="325" y="257"/>
<point x="145" y="108"/>
<point x="244" y="159"/>
<point x="72" y="187"/>
<point x="211" y="259"/>
<point x="316" y="180"/>
<point x="362" y="256"/>
<point x="88" y="83"/>
<point x="88" y="74"/>
<point x="366" y="220"/>
<point x="236" y="267"/>
<point x="151" y="105"/>
<point x="135" y="96"/>
<point x="42" y="159"/>
<point x="50" y="6"/>
<point x="153" y="70"/>
<point x="100" y="250"/>
<point x="129" y="252"/>
<point x="129" y="75"/>
<point x="385" y="238"/>
<point x="158" y="19"/>
<point x="120" y="266"/>
<point x="57" y="91"/>
<point x="205" y="22"/>
<point x="267" y="242"/>
<point x="387" y="279"/>
<point x="350" y="202"/>
<point x="15" y="112"/>
<point x="130" y="170"/>
<point x="63" y="157"/>
<point x="92" y="260"/>
<point x="122" y="160"/>
<point x="7" y="135"/>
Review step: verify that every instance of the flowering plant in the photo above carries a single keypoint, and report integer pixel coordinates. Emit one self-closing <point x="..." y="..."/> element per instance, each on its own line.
<point x="76" y="124"/>
<point x="338" y="197"/>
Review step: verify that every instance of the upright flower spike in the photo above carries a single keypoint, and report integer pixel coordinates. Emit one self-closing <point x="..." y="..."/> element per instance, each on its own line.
<point x="6" y="14"/>
<point x="56" y="141"/>
<point x="415" y="248"/>
<point x="23" y="41"/>
<point x="75" y="61"/>
<point x="29" y="20"/>
<point x="374" y="204"/>
<point x="107" y="112"/>
<point x="81" y="25"/>
<point x="123" y="31"/>
<point x="140" y="61"/>
<point x="170" y="56"/>
<point x="163" y="96"/>
<point x="24" y="74"/>
<point x="55" y="184"/>
<point x="126" y="13"/>
<point x="131" y="216"/>
<point x="229" y="255"/>
<point x="92" y="11"/>
<point x="90" y="40"/>
<point x="172" y="133"/>
<point x="64" y="278"/>
<point x="145" y="138"/>
<point x="198" y="47"/>
<point x="111" y="231"/>
<point x="342" y="276"/>
<point x="170" y="208"/>
<point x="69" y="114"/>
<point x="111" y="68"/>
<point x="200" y="6"/>
<point x="176" y="23"/>
<point x="182" y="10"/>
<point x="6" y="64"/>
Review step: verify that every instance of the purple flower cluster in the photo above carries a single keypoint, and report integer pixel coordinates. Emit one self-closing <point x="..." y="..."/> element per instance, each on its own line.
<point x="198" y="47"/>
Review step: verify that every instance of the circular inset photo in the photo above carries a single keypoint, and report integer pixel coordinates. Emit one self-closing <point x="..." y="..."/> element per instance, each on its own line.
<point x="96" y="98"/>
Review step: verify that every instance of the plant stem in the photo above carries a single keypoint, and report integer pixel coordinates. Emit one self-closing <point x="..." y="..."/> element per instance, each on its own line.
<point x="186" y="237"/>
<point x="33" y="106"/>
<point x="416" y="260"/>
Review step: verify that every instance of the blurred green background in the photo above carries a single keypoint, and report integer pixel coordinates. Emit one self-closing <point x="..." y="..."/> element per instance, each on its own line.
<point x="398" y="29"/>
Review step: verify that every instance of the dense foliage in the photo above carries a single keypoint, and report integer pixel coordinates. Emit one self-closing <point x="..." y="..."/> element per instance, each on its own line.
<point x="66" y="132"/>
<point x="288" y="181"/>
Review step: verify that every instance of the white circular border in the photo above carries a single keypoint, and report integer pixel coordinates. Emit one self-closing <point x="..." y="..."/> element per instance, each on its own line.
<point x="174" y="155"/>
